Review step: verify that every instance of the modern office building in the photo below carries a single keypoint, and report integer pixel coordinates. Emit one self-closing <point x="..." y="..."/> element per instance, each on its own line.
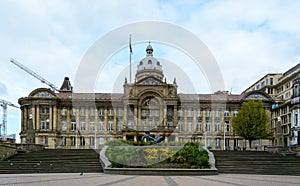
<point x="284" y="89"/>
<point x="67" y="119"/>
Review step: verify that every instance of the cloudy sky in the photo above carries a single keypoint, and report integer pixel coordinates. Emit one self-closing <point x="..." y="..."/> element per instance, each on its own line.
<point x="247" y="39"/>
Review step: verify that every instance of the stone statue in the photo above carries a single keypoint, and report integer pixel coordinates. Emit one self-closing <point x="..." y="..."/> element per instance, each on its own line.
<point x="158" y="138"/>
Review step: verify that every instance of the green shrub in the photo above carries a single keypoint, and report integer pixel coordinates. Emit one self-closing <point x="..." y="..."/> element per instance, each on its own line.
<point x="191" y="155"/>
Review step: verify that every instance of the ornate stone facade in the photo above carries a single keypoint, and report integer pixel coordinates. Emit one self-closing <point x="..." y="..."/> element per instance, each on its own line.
<point x="66" y="119"/>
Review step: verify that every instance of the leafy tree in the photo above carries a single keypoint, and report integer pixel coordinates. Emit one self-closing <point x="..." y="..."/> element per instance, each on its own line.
<point x="252" y="122"/>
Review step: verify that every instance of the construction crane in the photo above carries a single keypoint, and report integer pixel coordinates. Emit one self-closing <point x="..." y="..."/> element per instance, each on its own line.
<point x="4" y="105"/>
<point x="26" y="69"/>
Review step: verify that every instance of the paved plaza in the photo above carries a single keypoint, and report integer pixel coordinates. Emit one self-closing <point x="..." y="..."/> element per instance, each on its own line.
<point x="108" y="179"/>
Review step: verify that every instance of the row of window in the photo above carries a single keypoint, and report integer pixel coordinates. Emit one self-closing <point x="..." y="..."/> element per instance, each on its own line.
<point x="83" y="141"/>
<point x="148" y="112"/>
<point x="263" y="84"/>
<point x="208" y="127"/>
<point x="110" y="125"/>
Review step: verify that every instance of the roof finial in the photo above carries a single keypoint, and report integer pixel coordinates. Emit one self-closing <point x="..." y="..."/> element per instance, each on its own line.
<point x="149" y="49"/>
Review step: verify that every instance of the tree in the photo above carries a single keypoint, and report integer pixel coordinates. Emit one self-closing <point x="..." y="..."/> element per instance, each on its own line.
<point x="252" y="121"/>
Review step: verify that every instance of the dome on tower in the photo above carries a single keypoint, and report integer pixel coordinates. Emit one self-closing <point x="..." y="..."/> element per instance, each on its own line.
<point x="149" y="62"/>
<point x="149" y="66"/>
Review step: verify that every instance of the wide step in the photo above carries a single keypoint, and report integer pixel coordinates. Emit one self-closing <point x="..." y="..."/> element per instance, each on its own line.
<point x="256" y="162"/>
<point x="53" y="161"/>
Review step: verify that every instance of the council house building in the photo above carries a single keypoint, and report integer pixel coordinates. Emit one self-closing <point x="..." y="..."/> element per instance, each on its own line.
<point x="71" y="120"/>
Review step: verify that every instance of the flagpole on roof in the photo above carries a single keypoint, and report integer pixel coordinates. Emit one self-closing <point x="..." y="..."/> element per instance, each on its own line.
<point x="130" y="53"/>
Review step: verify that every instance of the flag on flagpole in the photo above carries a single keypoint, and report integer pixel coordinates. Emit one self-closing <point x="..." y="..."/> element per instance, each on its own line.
<point x="130" y="47"/>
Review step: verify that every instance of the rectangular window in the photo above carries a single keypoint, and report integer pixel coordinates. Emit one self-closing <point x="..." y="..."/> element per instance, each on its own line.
<point x="120" y="125"/>
<point x="217" y="113"/>
<point x="208" y="142"/>
<point x="82" y="141"/>
<point x="73" y="141"/>
<point x="44" y="140"/>
<point x="92" y="112"/>
<point x="92" y="141"/>
<point x="235" y="113"/>
<point x="296" y="120"/>
<point x="199" y="126"/>
<point x="257" y="87"/>
<point x="92" y="125"/>
<point x="190" y="113"/>
<point x="150" y="123"/>
<point x="120" y="112"/>
<point x="63" y="111"/>
<point x="82" y="125"/>
<point x="169" y="123"/>
<point x="130" y="123"/>
<point x="150" y="113"/>
<point x="45" y="123"/>
<point x="262" y="84"/>
<point x="156" y="113"/>
<point x="267" y="81"/>
<point x="180" y="126"/>
<point x="227" y="126"/>
<point x="110" y="112"/>
<point x="63" y="125"/>
<point x="63" y="141"/>
<point x="143" y="122"/>
<point x="101" y="141"/>
<point x="199" y="113"/>
<point x="101" y="125"/>
<point x="208" y="126"/>
<point x="170" y="111"/>
<point x="271" y="81"/>
<point x="226" y="113"/>
<point x="110" y="125"/>
<point x="180" y="113"/>
<point x="73" y="125"/>
<point x="207" y="113"/>
<point x="82" y="111"/>
<point x="143" y="112"/>
<point x="45" y="110"/>
<point x="73" y="112"/>
<point x="218" y="143"/>
<point x="101" y="112"/>
<point x="217" y="127"/>
<point x="190" y="126"/>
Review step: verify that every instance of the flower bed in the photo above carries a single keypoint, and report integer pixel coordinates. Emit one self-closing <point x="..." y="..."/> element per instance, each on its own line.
<point x="165" y="155"/>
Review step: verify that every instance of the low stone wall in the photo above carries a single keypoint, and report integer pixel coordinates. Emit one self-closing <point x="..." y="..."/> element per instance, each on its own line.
<point x="107" y="169"/>
<point x="160" y="171"/>
<point x="7" y="151"/>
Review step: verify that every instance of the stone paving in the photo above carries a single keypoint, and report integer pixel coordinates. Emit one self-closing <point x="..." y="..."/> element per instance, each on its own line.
<point x="109" y="179"/>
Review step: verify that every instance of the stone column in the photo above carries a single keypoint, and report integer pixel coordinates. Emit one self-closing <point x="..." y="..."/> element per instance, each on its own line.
<point x="115" y="120"/>
<point x="25" y="119"/>
<point x="194" y="123"/>
<point x="185" y="119"/>
<point x="135" y="117"/>
<point x="51" y="118"/>
<point x="125" y="115"/>
<point x="105" y="119"/>
<point x="175" y="119"/>
<point x="34" y="121"/>
<point x="54" y="118"/>
<point x="165" y="116"/>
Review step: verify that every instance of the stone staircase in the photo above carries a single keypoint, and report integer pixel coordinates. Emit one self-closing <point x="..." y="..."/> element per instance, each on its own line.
<point x="256" y="162"/>
<point x="53" y="161"/>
